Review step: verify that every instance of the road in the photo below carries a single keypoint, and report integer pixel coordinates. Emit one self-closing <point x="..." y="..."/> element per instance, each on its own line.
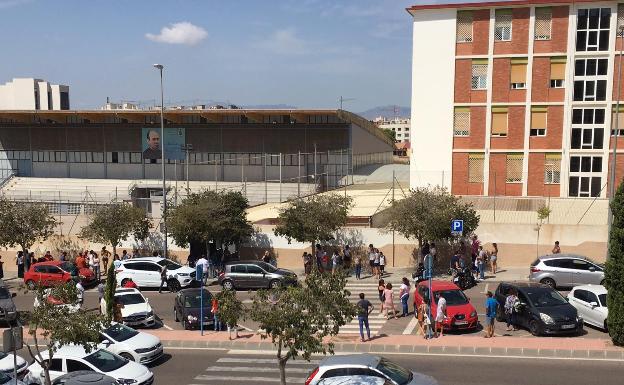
<point x="204" y="367"/>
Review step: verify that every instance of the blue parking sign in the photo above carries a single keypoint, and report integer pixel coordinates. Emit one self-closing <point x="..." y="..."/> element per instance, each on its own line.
<point x="457" y="225"/>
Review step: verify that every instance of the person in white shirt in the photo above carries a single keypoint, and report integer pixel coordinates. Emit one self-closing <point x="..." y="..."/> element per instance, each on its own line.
<point x="382" y="264"/>
<point x="203" y="262"/>
<point x="440" y="315"/>
<point x="80" y="293"/>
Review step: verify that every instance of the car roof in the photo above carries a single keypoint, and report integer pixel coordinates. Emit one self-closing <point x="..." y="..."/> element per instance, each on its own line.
<point x="143" y="259"/>
<point x="54" y="263"/>
<point x="367" y="360"/>
<point x="354" y="380"/>
<point x="250" y="262"/>
<point x="524" y="285"/>
<point x="72" y="351"/>
<point x="127" y="290"/>
<point x="192" y="291"/>
<point x="596" y="289"/>
<point x="560" y="256"/>
<point x="440" y="285"/>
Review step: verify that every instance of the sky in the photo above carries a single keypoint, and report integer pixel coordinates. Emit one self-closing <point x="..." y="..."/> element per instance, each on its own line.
<point x="304" y="53"/>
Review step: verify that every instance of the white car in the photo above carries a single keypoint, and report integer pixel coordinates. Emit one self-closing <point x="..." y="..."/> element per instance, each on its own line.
<point x="591" y="303"/>
<point x="355" y="380"/>
<point x="5" y="379"/>
<point x="6" y="365"/>
<point x="130" y="344"/>
<point x="145" y="272"/>
<point x="136" y="310"/>
<point x="71" y="358"/>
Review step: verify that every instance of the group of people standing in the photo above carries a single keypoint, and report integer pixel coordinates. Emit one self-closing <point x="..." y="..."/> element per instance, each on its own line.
<point x="479" y="258"/>
<point x="338" y="260"/>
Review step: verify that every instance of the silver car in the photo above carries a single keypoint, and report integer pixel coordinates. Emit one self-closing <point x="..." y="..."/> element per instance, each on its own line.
<point x="566" y="270"/>
<point x="255" y="275"/>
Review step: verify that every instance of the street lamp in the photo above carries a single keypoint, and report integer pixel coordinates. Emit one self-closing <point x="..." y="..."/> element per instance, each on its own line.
<point x="160" y="68"/>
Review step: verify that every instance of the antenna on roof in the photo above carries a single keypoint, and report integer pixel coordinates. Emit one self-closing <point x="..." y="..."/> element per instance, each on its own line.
<point x="344" y="100"/>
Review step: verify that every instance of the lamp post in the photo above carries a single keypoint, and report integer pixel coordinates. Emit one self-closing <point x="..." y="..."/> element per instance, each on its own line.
<point x="187" y="148"/>
<point x="160" y="68"/>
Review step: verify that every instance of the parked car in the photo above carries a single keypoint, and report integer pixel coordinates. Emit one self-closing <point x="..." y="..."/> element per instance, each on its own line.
<point x="542" y="309"/>
<point x="461" y="314"/>
<point x="8" y="311"/>
<point x="136" y="310"/>
<point x="85" y="377"/>
<point x="6" y="365"/>
<point x="55" y="272"/>
<point x="73" y="307"/>
<point x="255" y="275"/>
<point x="145" y="272"/>
<point x="366" y="365"/>
<point x="130" y="344"/>
<point x="187" y="305"/>
<point x="6" y="379"/>
<point x="354" y="380"/>
<point x="591" y="303"/>
<point x="72" y="358"/>
<point x="566" y="270"/>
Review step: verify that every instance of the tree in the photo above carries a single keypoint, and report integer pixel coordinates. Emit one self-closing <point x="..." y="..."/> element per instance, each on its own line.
<point x="313" y="219"/>
<point x="426" y="214"/>
<point x="24" y="223"/>
<point x="614" y="271"/>
<point x="115" y="222"/>
<point x="53" y="326"/>
<point x="298" y="319"/>
<point x="390" y="134"/>
<point x="542" y="213"/>
<point x="210" y="216"/>
<point x="230" y="309"/>
<point x="109" y="291"/>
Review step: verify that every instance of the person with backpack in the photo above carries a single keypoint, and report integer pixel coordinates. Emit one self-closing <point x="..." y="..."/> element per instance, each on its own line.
<point x="163" y="279"/>
<point x="364" y="308"/>
<point x="336" y="260"/>
<point x="511" y="303"/>
<point x="215" y="314"/>
<point x="404" y="292"/>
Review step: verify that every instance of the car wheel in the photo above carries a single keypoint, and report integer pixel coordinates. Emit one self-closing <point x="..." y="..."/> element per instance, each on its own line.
<point x="499" y="314"/>
<point x="124" y="281"/>
<point x="175" y="315"/>
<point x="185" y="324"/>
<point x="173" y="285"/>
<point x="227" y="285"/>
<point x="534" y="328"/>
<point x="274" y="284"/>
<point x="30" y="284"/>
<point x="127" y="356"/>
<point x="550" y="282"/>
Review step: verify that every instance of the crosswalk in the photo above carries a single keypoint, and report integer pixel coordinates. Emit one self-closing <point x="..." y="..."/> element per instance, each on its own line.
<point x="376" y="321"/>
<point x="253" y="370"/>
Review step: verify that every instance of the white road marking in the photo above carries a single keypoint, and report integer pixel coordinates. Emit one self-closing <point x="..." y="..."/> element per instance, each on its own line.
<point x="291" y="380"/>
<point x="409" y="329"/>
<point x="487" y="286"/>
<point x="245" y="369"/>
<point x="264" y="361"/>
<point x="167" y="327"/>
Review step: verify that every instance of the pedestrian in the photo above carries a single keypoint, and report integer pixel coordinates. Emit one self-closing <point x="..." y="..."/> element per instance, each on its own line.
<point x="80" y="293"/>
<point x="556" y="249"/>
<point x="474" y="248"/>
<point x="215" y="314"/>
<point x="266" y="257"/>
<point x="105" y="257"/>
<point x="404" y="293"/>
<point x="135" y="253"/>
<point x="48" y="256"/>
<point x="307" y="262"/>
<point x="347" y="259"/>
<point x="510" y="310"/>
<point x="376" y="265"/>
<point x="364" y="308"/>
<point x="382" y="264"/>
<point x="163" y="279"/>
<point x="100" y="289"/>
<point x="130" y="284"/>
<point x="91" y="259"/>
<point x="95" y="266"/>
<point x="116" y="261"/>
<point x="318" y="255"/>
<point x="1" y="268"/>
<point x="371" y="259"/>
<point x="381" y="287"/>
<point x="425" y="249"/>
<point x="433" y="250"/>
<point x="124" y="255"/>
<point x="325" y="261"/>
<point x="358" y="267"/>
<point x="27" y="260"/>
<point x="80" y="261"/>
<point x="481" y="257"/>
<point x="440" y="315"/>
<point x="389" y="301"/>
<point x="19" y="261"/>
<point x="203" y="262"/>
<point x="335" y="261"/>
<point x="63" y="257"/>
<point x="424" y="322"/>
<point x="490" y="314"/>
<point x="494" y="257"/>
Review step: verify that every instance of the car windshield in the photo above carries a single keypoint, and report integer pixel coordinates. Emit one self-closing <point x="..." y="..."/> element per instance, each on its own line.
<point x="66" y="266"/>
<point x="395" y="372"/>
<point x="105" y="361"/>
<point x="453" y="297"/>
<point x="194" y="300"/>
<point x="170" y="265"/>
<point x="603" y="300"/>
<point x="4" y="293"/>
<point x="545" y="297"/>
<point x="267" y="267"/>
<point x="120" y="332"/>
<point x="129" y="299"/>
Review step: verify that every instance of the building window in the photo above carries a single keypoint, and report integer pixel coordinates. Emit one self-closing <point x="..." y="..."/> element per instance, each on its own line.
<point x="557" y="71"/>
<point x="543" y="19"/>
<point x="64" y="100"/>
<point x="590" y="79"/>
<point x="514" y="168"/>
<point x="590" y="67"/>
<point x="398" y="129"/>
<point x="475" y="168"/>
<point x="620" y="123"/>
<point x="539" y="117"/>
<point x="552" y="169"/>
<point x="502" y="25"/>
<point x="592" y="29"/>
<point x="499" y="121"/>
<point x="587" y="128"/>
<point x="464" y="27"/>
<point x="585" y="180"/>
<point x="461" y="121"/>
<point x="518" y="73"/>
<point x="620" y="20"/>
<point x="479" y="74"/>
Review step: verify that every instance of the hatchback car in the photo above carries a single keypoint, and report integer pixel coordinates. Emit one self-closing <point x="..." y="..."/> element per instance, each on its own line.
<point x="542" y="309"/>
<point x="54" y="272"/>
<point x="187" y="306"/>
<point x="8" y="311"/>
<point x="566" y="270"/>
<point x="145" y="272"/>
<point x="255" y="275"/>
<point x="130" y="344"/>
<point x="85" y="377"/>
<point x="366" y="365"/>
<point x="591" y="303"/>
<point x="354" y="380"/>
<point x="461" y="314"/>
<point x="136" y="310"/>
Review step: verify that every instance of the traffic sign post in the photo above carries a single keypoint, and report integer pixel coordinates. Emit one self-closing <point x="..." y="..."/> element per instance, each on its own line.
<point x="199" y="275"/>
<point x="457" y="226"/>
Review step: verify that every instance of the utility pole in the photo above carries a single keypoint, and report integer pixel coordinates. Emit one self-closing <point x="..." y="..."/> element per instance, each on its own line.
<point x="393" y="172"/>
<point x="187" y="148"/>
<point x="160" y="67"/>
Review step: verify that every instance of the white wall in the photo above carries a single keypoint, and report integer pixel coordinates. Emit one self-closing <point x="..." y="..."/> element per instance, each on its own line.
<point x="433" y="74"/>
<point x="19" y="94"/>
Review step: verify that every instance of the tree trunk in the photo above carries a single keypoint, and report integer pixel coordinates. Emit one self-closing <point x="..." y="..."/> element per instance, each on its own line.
<point x="282" y="363"/>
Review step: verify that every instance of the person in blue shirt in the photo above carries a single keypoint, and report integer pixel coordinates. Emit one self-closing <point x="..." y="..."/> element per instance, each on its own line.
<point x="490" y="314"/>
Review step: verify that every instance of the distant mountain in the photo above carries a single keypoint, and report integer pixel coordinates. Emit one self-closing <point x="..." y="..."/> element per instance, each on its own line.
<point x="387" y="111"/>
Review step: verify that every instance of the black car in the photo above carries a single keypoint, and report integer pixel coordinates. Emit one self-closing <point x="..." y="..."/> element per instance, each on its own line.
<point x="542" y="309"/>
<point x="187" y="306"/>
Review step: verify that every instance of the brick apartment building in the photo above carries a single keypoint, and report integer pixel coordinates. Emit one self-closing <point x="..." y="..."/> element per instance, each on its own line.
<point x="516" y="98"/>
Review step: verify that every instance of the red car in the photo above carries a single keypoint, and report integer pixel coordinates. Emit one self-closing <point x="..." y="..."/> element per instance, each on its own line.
<point x="53" y="272"/>
<point x="461" y="315"/>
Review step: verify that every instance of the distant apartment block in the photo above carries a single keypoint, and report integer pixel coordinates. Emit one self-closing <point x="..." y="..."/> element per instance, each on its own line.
<point x="517" y="98"/>
<point x="400" y="127"/>
<point x="33" y="94"/>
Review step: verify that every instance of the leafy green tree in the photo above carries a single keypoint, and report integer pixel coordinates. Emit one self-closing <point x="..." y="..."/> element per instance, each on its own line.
<point x="24" y="223"/>
<point x="298" y="319"/>
<point x="231" y="309"/>
<point x="115" y="222"/>
<point x="313" y="219"/>
<point x="426" y="214"/>
<point x="109" y="291"/>
<point x="210" y="216"/>
<point x="390" y="134"/>
<point x="614" y="271"/>
<point x="542" y="214"/>
<point x="52" y="326"/>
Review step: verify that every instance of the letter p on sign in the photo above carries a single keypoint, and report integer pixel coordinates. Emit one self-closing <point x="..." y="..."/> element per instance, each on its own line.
<point x="457" y="226"/>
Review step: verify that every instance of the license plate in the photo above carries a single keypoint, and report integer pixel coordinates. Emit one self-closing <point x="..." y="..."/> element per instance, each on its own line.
<point x="461" y="322"/>
<point x="572" y="326"/>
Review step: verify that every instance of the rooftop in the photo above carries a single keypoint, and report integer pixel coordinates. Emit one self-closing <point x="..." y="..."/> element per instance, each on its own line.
<point x="492" y="4"/>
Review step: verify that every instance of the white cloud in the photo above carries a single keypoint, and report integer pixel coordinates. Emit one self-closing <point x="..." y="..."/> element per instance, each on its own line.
<point x="285" y="42"/>
<point x="179" y="33"/>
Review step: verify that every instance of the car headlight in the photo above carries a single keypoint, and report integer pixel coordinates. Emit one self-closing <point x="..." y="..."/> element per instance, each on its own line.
<point x="126" y="381"/>
<point x="183" y="274"/>
<point x="191" y="317"/>
<point x="143" y="350"/>
<point x="547" y="319"/>
<point x="473" y="314"/>
<point x="150" y="313"/>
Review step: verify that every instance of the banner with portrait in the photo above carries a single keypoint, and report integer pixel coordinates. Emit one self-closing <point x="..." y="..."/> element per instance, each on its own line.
<point x="175" y="139"/>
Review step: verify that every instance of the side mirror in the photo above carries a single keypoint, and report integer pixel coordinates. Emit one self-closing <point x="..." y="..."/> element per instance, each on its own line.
<point x="592" y="269"/>
<point x="594" y="304"/>
<point x="146" y="300"/>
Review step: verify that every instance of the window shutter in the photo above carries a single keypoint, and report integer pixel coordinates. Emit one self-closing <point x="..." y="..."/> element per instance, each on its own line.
<point x="518" y="72"/>
<point x="557" y="68"/>
<point x="514" y="167"/>
<point x="538" y="117"/>
<point x="475" y="168"/>
<point x="543" y="17"/>
<point x="464" y="26"/>
<point x="499" y="121"/>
